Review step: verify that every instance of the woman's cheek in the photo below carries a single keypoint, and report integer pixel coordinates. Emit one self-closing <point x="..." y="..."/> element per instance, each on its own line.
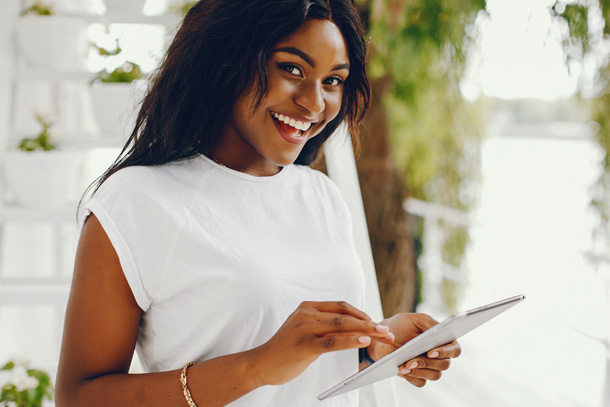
<point x="333" y="105"/>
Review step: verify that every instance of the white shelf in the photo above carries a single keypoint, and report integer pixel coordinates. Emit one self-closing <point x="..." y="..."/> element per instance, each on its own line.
<point x="53" y="289"/>
<point x="34" y="291"/>
<point x="46" y="74"/>
<point x="16" y="213"/>
<point x="76" y="141"/>
<point x="113" y="18"/>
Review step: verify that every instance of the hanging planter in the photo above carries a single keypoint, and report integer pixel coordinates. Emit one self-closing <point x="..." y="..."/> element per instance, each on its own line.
<point x="38" y="175"/>
<point x="42" y="179"/>
<point x="115" y="97"/>
<point x="55" y="42"/>
<point x="115" y="107"/>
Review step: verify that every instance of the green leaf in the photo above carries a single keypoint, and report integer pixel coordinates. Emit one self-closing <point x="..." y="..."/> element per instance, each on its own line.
<point x="125" y="73"/>
<point x="38" y="8"/>
<point x="105" y="52"/>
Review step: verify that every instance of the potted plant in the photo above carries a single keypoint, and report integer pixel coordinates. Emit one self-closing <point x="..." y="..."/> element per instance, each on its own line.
<point x="47" y="40"/>
<point x="114" y="93"/>
<point x="38" y="174"/>
<point x="25" y="387"/>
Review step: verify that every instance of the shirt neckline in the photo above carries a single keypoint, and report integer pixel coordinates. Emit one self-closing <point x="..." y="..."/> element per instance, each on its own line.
<point x="243" y="175"/>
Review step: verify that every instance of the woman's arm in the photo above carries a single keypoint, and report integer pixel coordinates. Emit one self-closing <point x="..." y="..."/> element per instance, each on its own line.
<point x="101" y="329"/>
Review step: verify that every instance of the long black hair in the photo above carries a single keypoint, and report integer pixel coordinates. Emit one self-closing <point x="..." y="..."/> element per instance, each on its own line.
<point x="221" y="47"/>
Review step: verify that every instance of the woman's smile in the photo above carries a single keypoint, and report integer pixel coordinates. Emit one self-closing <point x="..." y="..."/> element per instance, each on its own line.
<point x="293" y="130"/>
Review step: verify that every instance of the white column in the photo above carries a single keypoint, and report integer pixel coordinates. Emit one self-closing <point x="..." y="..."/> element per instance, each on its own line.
<point x="342" y="170"/>
<point x="9" y="12"/>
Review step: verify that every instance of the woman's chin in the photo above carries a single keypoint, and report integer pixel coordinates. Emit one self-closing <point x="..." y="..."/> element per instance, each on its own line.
<point x="285" y="159"/>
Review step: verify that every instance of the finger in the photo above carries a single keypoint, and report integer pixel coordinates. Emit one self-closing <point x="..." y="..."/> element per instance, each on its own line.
<point x="423" y="322"/>
<point x="425" y="363"/>
<point x="423" y="374"/>
<point x="339" y="307"/>
<point x="340" y="323"/>
<point x="451" y="350"/>
<point x="414" y="381"/>
<point x="332" y="343"/>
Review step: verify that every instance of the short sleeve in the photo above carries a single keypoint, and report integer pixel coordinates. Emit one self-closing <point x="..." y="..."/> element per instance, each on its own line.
<point x="126" y="258"/>
<point x="134" y="211"/>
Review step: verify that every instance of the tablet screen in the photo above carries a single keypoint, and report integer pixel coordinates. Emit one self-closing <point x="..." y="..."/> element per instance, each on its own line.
<point x="447" y="331"/>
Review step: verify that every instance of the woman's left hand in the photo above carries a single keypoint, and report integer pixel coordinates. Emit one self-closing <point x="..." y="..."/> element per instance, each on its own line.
<point x="417" y="371"/>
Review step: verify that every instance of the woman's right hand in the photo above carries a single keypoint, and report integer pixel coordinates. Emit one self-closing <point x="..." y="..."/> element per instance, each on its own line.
<point x="312" y="329"/>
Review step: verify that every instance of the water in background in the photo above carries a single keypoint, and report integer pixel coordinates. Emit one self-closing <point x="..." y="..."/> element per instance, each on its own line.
<point x="533" y="235"/>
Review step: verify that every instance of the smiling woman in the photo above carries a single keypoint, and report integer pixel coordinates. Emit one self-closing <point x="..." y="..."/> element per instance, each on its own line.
<point x="196" y="246"/>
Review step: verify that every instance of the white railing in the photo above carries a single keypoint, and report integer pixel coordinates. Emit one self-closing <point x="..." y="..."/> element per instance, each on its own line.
<point x="601" y="262"/>
<point x="433" y="269"/>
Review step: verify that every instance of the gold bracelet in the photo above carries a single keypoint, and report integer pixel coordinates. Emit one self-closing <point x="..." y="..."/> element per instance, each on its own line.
<point x="185" y="389"/>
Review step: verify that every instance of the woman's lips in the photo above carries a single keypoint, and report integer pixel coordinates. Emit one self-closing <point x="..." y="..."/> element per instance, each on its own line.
<point x="289" y="133"/>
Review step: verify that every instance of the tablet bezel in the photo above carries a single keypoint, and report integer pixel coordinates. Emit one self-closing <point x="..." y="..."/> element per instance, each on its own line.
<point x="449" y="330"/>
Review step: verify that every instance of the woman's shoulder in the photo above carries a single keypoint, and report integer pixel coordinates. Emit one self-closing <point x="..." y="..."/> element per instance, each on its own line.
<point x="152" y="188"/>
<point x="176" y="173"/>
<point x="323" y="187"/>
<point x="319" y="180"/>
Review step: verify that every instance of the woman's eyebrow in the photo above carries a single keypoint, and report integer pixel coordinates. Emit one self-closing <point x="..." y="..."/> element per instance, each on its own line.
<point x="307" y="58"/>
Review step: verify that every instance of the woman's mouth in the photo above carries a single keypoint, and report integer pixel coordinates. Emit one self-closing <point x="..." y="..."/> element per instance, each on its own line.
<point x="292" y="130"/>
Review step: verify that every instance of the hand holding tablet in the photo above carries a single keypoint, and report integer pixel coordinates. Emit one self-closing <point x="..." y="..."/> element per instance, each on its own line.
<point x="445" y="332"/>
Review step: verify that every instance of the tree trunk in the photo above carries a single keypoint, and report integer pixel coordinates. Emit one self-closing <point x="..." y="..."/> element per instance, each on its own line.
<point x="382" y="194"/>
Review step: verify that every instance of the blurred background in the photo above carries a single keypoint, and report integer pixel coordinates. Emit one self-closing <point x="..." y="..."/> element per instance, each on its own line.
<point x="484" y="173"/>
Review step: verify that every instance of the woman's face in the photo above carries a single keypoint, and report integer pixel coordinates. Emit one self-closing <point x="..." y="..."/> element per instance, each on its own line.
<point x="306" y="72"/>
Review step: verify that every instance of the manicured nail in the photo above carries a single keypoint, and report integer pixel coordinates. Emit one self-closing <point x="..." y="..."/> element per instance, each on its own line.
<point x="364" y="339"/>
<point x="390" y="336"/>
<point x="434" y="354"/>
<point x="382" y="328"/>
<point x="405" y="371"/>
<point x="413" y="365"/>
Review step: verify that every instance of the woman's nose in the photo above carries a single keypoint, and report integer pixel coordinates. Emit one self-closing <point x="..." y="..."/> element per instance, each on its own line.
<point x="310" y="97"/>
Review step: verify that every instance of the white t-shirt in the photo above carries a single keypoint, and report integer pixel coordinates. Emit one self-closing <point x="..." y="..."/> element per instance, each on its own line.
<point x="218" y="259"/>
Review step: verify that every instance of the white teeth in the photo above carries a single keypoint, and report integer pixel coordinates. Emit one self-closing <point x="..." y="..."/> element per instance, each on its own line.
<point x="297" y="124"/>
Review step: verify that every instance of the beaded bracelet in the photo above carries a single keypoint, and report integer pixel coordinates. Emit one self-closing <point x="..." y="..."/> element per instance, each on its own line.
<point x="185" y="389"/>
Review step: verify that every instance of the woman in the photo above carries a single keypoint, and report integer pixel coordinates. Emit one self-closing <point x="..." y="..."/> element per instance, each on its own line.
<point x="204" y="243"/>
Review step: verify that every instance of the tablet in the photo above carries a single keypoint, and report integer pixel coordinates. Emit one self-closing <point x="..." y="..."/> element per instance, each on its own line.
<point x="447" y="331"/>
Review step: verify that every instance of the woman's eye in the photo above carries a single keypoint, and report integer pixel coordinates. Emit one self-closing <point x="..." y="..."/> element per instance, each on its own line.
<point x="334" y="81"/>
<point x="291" y="69"/>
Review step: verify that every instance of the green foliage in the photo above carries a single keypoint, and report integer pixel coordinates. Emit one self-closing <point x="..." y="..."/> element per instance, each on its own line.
<point x="38" y="8"/>
<point x="128" y="72"/>
<point x="584" y="41"/>
<point x="181" y="7"/>
<point x="601" y="193"/>
<point x="576" y="17"/>
<point x="418" y="50"/>
<point x="421" y="46"/>
<point x="27" y="388"/>
<point x="43" y="141"/>
<point x="105" y="52"/>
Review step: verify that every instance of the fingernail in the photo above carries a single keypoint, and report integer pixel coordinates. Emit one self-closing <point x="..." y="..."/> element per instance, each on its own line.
<point x="413" y="365"/>
<point x="390" y="336"/>
<point x="364" y="339"/>
<point x="382" y="328"/>
<point x="405" y="371"/>
<point x="434" y="354"/>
